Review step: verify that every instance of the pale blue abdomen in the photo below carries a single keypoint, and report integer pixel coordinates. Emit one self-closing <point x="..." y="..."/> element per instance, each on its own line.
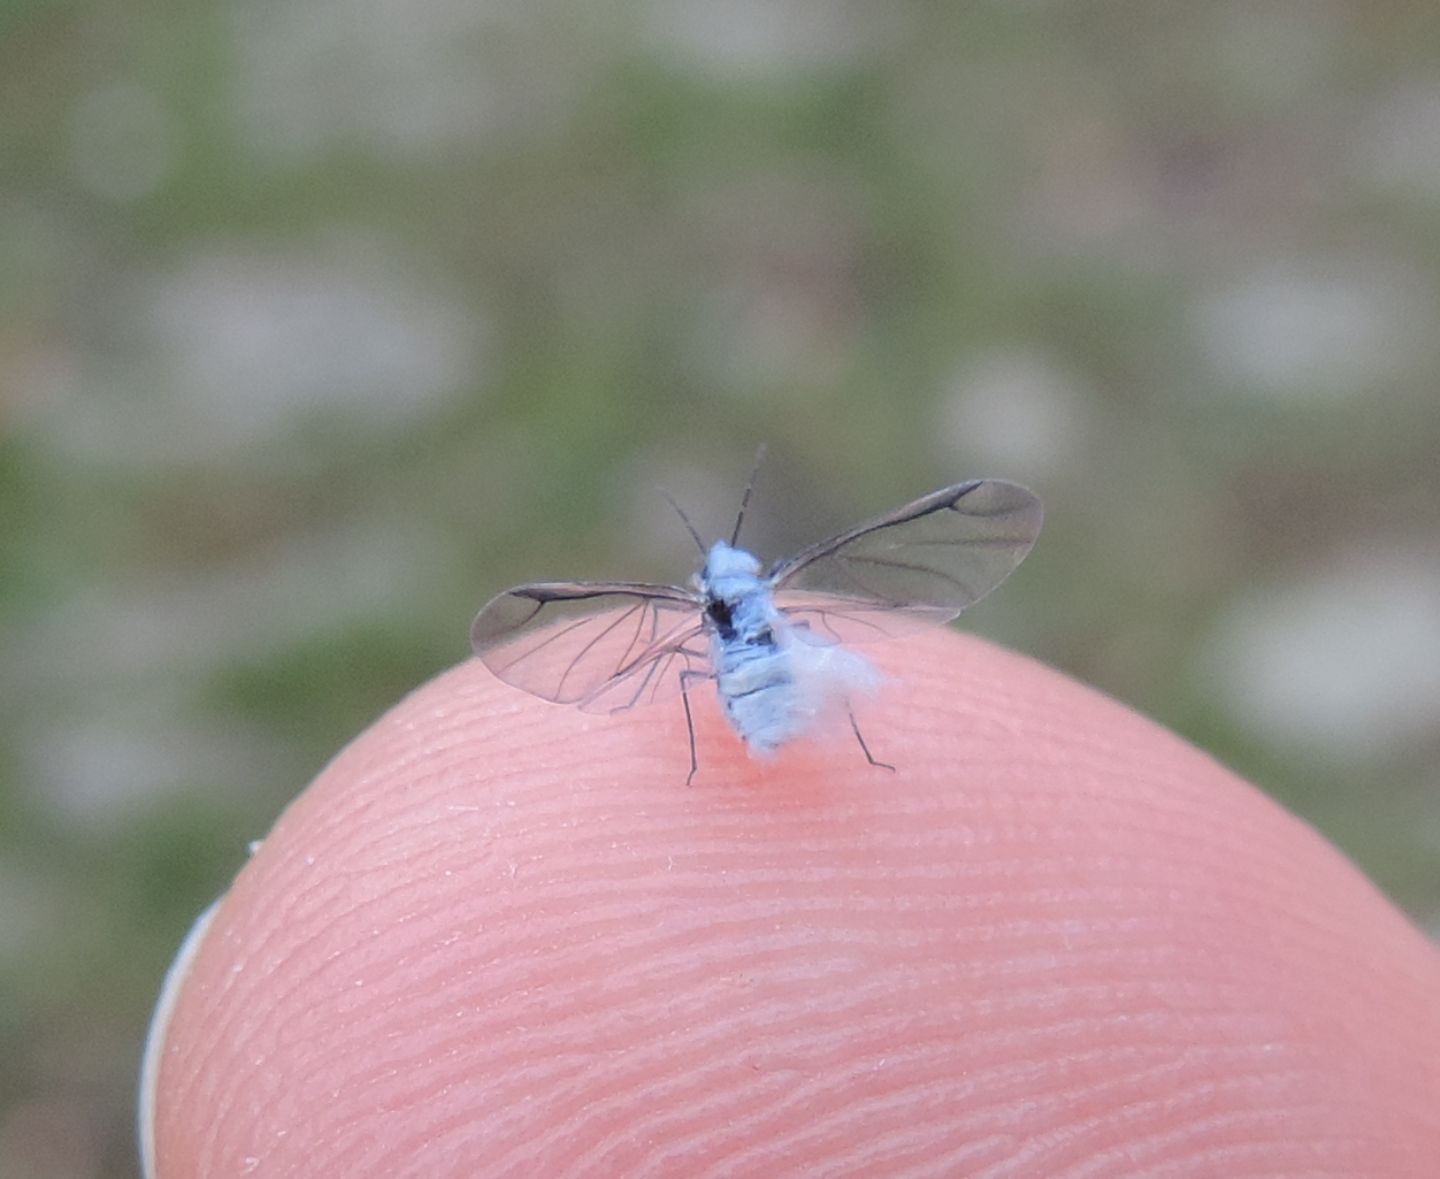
<point x="758" y="693"/>
<point x="752" y="666"/>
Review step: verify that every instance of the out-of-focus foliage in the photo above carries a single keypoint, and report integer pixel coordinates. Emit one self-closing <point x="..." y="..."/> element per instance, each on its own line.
<point x="321" y="322"/>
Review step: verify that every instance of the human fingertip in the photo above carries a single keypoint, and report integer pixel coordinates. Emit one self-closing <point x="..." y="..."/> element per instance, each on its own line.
<point x="497" y="936"/>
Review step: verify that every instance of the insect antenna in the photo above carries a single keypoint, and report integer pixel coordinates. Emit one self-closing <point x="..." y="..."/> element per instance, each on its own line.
<point x="745" y="499"/>
<point x="684" y="519"/>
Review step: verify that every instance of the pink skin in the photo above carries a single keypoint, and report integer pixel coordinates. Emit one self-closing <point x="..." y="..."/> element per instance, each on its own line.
<point x="501" y="937"/>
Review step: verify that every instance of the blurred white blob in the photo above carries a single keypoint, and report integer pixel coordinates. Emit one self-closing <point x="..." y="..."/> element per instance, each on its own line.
<point x="1266" y="55"/>
<point x="237" y="347"/>
<point x="96" y="772"/>
<point x="124" y="142"/>
<point x="1017" y="411"/>
<point x="1330" y="334"/>
<point x="406" y="79"/>
<point x="1398" y="145"/>
<point x="129" y="662"/>
<point x="251" y="609"/>
<point x="258" y="335"/>
<point x="743" y="38"/>
<point x="1346" y="663"/>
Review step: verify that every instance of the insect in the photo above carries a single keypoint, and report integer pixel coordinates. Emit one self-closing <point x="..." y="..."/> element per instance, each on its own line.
<point x="778" y="642"/>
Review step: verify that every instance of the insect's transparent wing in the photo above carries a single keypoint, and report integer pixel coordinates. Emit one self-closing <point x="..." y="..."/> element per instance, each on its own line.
<point x="604" y="646"/>
<point x="918" y="565"/>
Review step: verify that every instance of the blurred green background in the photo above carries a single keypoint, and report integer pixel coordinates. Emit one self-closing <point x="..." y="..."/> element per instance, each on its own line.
<point x="321" y="322"/>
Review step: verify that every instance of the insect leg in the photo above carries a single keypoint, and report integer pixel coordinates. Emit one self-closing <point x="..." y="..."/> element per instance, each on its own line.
<point x="685" y="677"/>
<point x="865" y="749"/>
